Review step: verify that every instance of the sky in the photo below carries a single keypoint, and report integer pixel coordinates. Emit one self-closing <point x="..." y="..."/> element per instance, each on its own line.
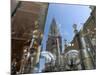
<point x="65" y="15"/>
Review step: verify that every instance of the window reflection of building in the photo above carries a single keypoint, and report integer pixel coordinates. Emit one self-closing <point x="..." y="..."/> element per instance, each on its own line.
<point x="24" y="20"/>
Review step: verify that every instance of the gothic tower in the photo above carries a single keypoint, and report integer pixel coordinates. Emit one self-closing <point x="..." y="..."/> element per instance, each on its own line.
<point x="54" y="42"/>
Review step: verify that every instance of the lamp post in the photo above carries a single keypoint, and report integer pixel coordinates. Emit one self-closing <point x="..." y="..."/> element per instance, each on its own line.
<point x="37" y="45"/>
<point x="77" y="35"/>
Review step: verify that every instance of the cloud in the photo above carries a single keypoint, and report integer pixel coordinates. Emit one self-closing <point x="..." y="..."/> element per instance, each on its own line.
<point x="59" y="25"/>
<point x="65" y="33"/>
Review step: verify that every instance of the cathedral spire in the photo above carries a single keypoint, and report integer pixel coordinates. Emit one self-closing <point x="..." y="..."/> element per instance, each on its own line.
<point x="54" y="31"/>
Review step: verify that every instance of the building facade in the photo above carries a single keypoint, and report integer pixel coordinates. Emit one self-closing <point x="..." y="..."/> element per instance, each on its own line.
<point x="84" y="41"/>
